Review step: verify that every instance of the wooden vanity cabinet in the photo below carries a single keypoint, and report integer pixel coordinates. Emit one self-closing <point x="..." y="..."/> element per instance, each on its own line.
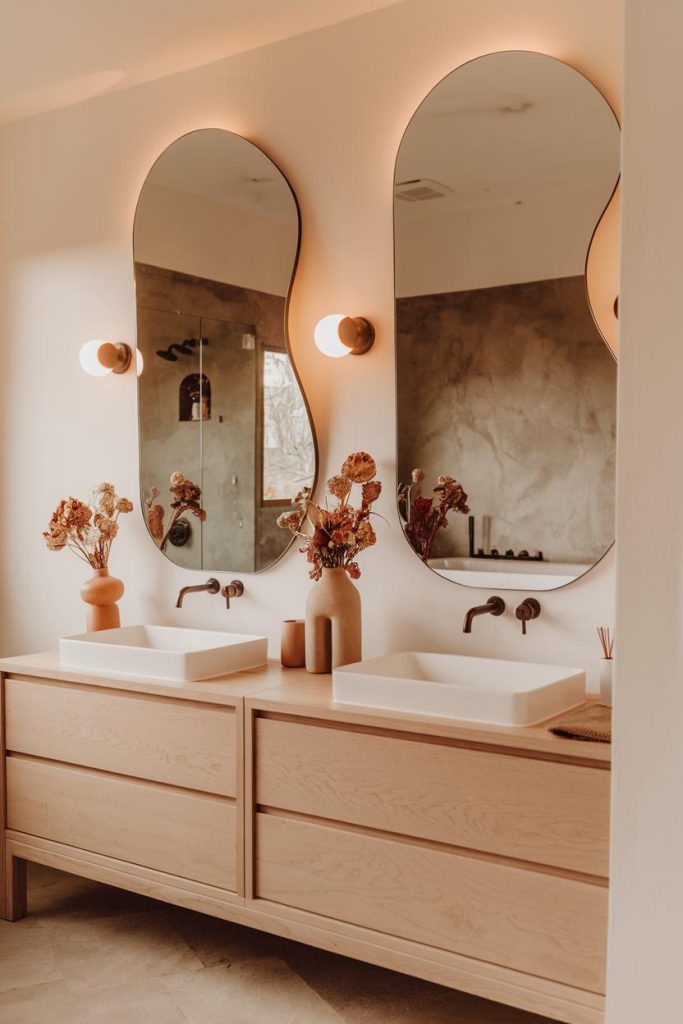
<point x="130" y="782"/>
<point x="471" y="856"/>
<point x="475" y="857"/>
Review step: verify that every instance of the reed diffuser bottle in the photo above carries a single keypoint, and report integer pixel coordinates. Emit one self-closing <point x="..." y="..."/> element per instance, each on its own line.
<point x="606" y="664"/>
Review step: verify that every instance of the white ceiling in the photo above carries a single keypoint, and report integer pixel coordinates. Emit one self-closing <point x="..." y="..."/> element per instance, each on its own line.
<point x="507" y="128"/>
<point x="224" y="168"/>
<point x="56" y="53"/>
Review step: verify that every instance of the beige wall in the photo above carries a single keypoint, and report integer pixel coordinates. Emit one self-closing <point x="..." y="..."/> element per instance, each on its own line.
<point x="544" y="238"/>
<point x="70" y="181"/>
<point x="647" y="895"/>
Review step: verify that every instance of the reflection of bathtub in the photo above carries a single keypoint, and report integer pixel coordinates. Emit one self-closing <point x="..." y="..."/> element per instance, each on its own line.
<point x="508" y="575"/>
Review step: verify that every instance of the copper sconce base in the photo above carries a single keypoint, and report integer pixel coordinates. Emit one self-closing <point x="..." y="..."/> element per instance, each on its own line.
<point x="357" y="334"/>
<point x="116" y="358"/>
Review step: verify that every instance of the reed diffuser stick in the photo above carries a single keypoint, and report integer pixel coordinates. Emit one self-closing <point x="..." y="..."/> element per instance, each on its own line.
<point x="606" y="641"/>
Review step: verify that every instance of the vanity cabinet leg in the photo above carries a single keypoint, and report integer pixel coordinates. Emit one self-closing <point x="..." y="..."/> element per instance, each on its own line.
<point x="14" y="903"/>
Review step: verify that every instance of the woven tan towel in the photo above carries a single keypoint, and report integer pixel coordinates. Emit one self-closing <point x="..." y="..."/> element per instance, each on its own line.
<point x="591" y="721"/>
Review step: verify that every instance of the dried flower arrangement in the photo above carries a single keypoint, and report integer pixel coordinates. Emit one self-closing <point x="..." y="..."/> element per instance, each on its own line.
<point x="425" y="516"/>
<point x="340" y="533"/>
<point x="187" y="497"/>
<point x="88" y="529"/>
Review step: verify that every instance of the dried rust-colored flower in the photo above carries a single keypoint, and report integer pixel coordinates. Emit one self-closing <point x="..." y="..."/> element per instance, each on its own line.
<point x="371" y="492"/>
<point x="289" y="521"/>
<point x="339" y="486"/>
<point x="88" y="529"/>
<point x="365" y="535"/>
<point x="155" y="521"/>
<point x="359" y="467"/>
<point x="339" y="533"/>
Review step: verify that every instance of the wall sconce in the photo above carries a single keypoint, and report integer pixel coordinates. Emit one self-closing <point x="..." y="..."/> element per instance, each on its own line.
<point x="339" y="335"/>
<point x="98" y="358"/>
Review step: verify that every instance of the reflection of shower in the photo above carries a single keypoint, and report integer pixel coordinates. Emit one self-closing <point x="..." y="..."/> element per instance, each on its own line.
<point x="186" y="349"/>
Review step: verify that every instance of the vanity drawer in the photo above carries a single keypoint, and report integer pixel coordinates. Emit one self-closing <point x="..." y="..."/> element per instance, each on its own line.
<point x="192" y="835"/>
<point x="162" y="739"/>
<point x="523" y="808"/>
<point x="541" y="924"/>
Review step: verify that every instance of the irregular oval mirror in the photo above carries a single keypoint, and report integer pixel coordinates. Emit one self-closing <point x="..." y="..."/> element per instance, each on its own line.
<point x="225" y="435"/>
<point x="505" y="384"/>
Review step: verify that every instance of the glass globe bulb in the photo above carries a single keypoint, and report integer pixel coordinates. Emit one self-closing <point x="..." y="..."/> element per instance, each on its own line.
<point x="89" y="360"/>
<point x="326" y="336"/>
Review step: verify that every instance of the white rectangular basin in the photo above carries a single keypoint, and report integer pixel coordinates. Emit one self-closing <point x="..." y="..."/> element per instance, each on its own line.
<point x="163" y="652"/>
<point x="454" y="686"/>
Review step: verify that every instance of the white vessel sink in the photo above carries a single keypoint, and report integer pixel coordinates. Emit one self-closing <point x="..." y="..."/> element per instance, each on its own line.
<point x="163" y="652"/>
<point x="454" y="686"/>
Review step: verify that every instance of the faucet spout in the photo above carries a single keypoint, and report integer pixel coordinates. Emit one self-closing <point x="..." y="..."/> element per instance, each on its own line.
<point x="211" y="586"/>
<point x="494" y="606"/>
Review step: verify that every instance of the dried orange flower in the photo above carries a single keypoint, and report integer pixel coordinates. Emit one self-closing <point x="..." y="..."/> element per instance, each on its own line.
<point x="88" y="529"/>
<point x="339" y="487"/>
<point x="359" y="467"/>
<point x="155" y="521"/>
<point x="187" y="497"/>
<point x="417" y="476"/>
<point x="289" y="521"/>
<point x="371" y="492"/>
<point x="365" y="535"/>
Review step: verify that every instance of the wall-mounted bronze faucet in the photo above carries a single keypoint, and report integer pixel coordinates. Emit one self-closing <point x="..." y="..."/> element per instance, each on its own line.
<point x="494" y="606"/>
<point x="211" y="586"/>
<point x="234" y="589"/>
<point x="529" y="609"/>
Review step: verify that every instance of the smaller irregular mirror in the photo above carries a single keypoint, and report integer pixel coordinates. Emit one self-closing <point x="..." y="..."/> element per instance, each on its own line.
<point x="226" y="438"/>
<point x="505" y="384"/>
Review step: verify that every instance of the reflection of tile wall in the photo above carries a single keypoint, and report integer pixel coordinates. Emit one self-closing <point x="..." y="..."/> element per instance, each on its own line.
<point x="238" y="535"/>
<point x="512" y="391"/>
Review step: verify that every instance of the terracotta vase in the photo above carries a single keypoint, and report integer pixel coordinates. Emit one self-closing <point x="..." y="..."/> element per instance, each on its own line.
<point x="102" y="592"/>
<point x="333" y="623"/>
<point x="293" y="644"/>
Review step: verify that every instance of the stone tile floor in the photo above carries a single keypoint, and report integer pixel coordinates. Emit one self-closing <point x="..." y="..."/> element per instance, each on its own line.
<point x="90" y="954"/>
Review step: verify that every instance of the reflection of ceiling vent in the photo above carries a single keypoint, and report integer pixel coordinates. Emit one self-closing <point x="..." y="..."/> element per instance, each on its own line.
<point x="420" y="189"/>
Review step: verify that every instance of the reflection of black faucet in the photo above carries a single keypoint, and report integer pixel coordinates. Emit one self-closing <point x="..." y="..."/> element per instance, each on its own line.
<point x="494" y="606"/>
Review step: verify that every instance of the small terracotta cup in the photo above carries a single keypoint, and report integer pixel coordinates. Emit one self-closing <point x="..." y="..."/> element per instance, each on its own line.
<point x="293" y="643"/>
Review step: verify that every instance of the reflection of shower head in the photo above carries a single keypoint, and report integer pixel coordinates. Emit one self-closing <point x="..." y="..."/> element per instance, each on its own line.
<point x="186" y="349"/>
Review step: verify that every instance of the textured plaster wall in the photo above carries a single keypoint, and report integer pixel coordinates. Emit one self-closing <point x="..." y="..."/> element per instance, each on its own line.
<point x="512" y="391"/>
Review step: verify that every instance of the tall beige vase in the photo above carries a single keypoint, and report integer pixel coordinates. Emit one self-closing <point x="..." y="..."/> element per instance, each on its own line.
<point x="102" y="592"/>
<point x="333" y="622"/>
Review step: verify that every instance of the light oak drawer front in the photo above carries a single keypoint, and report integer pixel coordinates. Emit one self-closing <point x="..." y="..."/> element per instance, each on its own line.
<point x="541" y="924"/>
<point x="533" y="810"/>
<point x="191" y="835"/>
<point x="172" y="741"/>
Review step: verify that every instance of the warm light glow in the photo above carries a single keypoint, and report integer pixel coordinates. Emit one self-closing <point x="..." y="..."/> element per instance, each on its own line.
<point x="326" y="335"/>
<point x="89" y="361"/>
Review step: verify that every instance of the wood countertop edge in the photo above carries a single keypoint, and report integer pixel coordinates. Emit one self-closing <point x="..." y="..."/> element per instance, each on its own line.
<point x="295" y="692"/>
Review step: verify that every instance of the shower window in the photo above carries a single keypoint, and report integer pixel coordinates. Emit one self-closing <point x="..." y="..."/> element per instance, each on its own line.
<point x="288" y="454"/>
